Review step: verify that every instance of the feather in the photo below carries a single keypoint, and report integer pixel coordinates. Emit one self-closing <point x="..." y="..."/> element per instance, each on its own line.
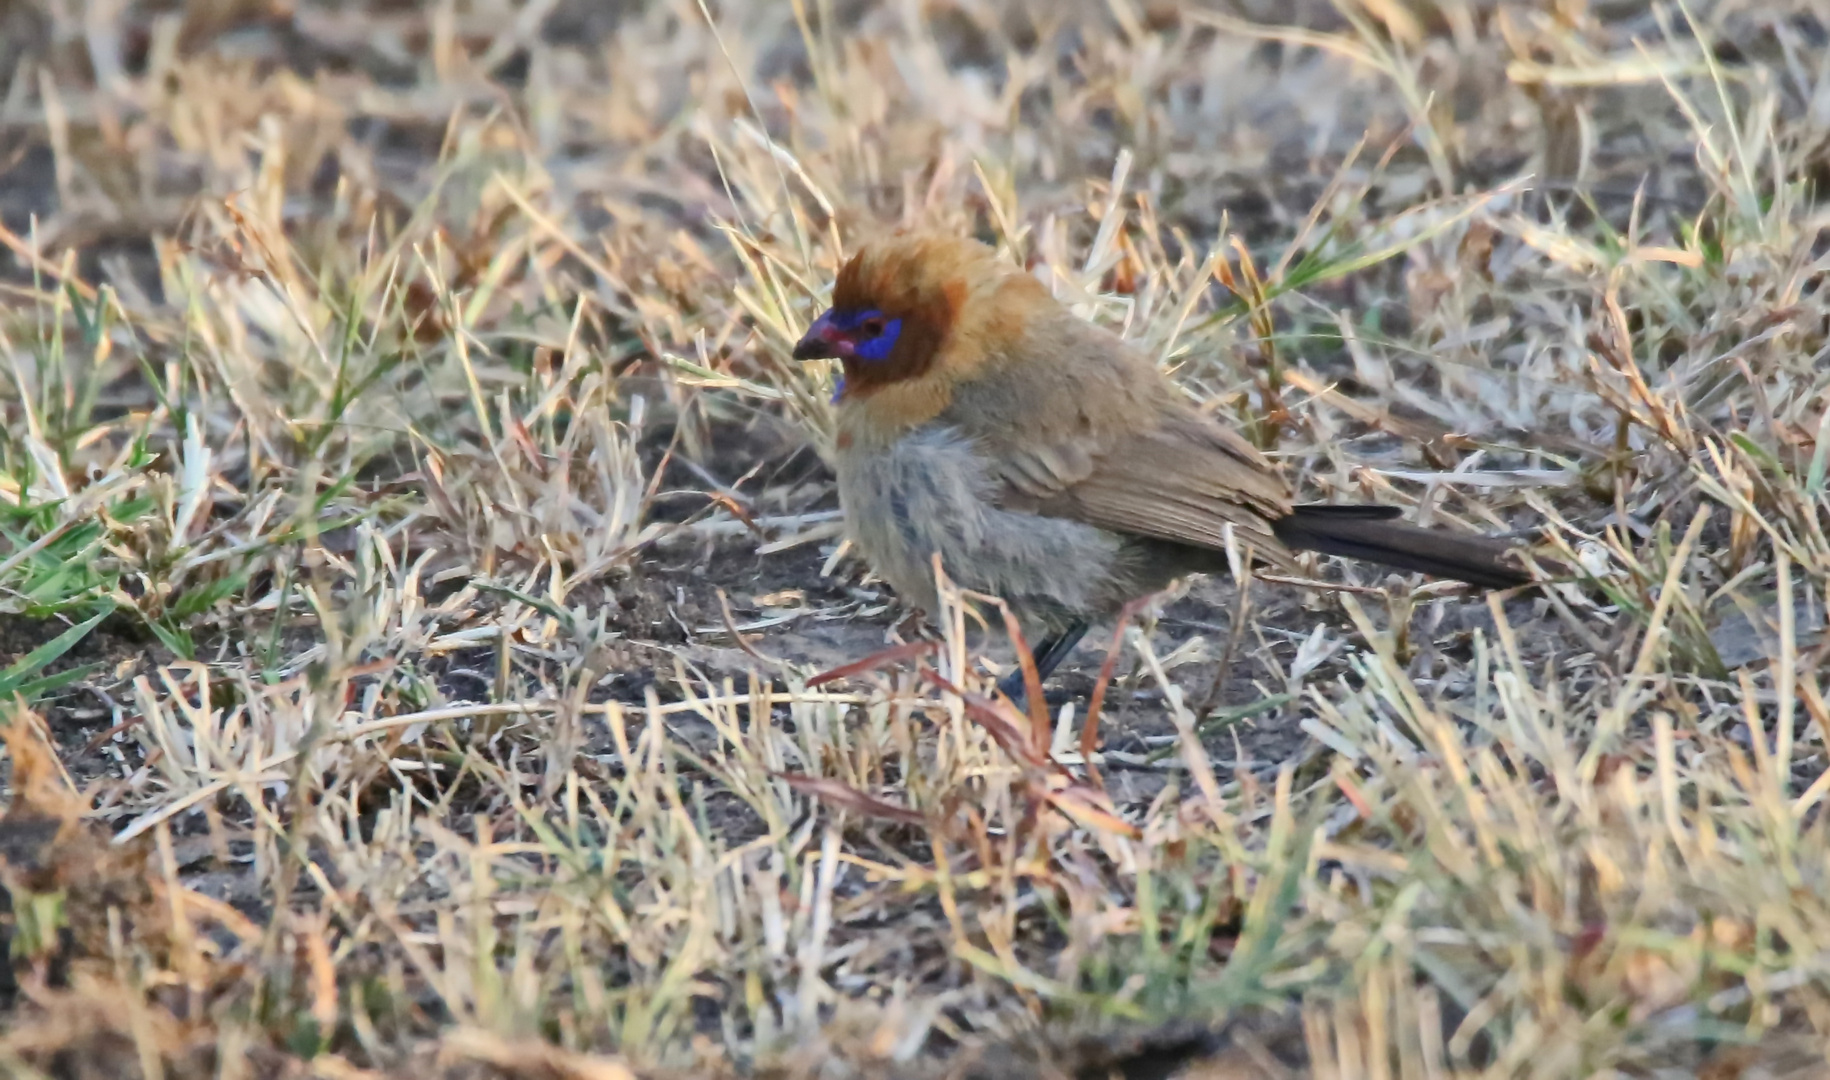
<point x="1354" y="533"/>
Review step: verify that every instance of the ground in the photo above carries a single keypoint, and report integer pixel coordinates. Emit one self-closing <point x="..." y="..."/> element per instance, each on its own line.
<point x="418" y="560"/>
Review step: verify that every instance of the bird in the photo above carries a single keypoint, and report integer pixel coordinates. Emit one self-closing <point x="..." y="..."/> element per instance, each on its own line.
<point x="1049" y="462"/>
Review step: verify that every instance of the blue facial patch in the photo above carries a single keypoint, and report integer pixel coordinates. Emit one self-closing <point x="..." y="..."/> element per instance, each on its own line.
<point x="872" y="347"/>
<point x="878" y="348"/>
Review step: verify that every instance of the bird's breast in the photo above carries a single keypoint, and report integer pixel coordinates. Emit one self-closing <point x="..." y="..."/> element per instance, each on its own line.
<point x="933" y="491"/>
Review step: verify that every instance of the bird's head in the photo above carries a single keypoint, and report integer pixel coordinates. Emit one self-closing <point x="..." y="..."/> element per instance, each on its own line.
<point x="913" y="307"/>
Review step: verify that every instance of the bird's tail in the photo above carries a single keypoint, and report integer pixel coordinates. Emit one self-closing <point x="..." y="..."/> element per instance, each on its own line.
<point x="1370" y="533"/>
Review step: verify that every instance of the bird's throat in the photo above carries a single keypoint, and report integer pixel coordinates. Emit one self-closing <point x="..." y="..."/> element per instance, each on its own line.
<point x="877" y="415"/>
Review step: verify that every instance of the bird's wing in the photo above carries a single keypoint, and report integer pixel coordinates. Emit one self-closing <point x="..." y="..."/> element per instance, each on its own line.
<point x="1184" y="479"/>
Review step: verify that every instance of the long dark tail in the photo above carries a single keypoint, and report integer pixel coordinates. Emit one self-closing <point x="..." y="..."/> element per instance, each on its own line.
<point x="1370" y="533"/>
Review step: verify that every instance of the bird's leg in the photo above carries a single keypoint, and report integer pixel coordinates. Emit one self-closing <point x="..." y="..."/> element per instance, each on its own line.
<point x="1049" y="655"/>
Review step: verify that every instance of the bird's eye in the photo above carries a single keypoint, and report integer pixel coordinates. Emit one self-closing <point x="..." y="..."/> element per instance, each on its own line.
<point x="871" y="327"/>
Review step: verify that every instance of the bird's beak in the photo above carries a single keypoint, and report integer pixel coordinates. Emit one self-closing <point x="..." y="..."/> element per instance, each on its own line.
<point x="820" y="342"/>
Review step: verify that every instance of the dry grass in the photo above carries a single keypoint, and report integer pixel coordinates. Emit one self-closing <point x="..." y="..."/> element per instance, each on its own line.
<point x="417" y="563"/>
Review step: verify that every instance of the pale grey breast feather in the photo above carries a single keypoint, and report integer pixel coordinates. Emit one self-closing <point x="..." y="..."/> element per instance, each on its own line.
<point x="933" y="491"/>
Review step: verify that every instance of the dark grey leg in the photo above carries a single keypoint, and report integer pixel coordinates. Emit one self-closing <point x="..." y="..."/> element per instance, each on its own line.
<point x="1049" y="655"/>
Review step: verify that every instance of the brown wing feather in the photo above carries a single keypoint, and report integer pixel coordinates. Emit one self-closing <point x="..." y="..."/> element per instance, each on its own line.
<point x="1185" y="480"/>
<point x="1104" y="438"/>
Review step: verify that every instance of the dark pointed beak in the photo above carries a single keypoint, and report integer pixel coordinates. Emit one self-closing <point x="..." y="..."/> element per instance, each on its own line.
<point x="820" y="342"/>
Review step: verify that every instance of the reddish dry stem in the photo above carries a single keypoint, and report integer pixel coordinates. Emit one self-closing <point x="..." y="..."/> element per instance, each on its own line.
<point x="1089" y="731"/>
<point x="895" y="654"/>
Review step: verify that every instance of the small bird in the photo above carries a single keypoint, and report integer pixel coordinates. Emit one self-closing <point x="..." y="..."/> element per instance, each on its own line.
<point x="1048" y="462"/>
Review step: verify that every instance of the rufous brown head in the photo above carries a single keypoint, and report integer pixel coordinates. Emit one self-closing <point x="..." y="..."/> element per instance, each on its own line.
<point x="898" y="306"/>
